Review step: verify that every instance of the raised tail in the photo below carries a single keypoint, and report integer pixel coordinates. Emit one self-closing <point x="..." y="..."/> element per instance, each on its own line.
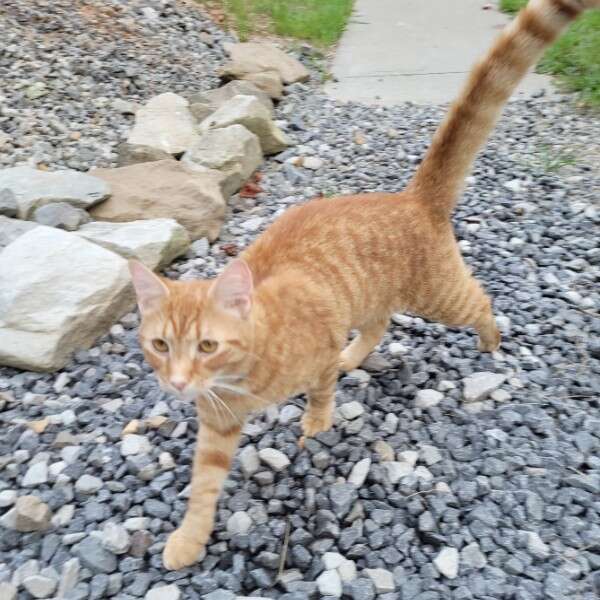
<point x="439" y="178"/>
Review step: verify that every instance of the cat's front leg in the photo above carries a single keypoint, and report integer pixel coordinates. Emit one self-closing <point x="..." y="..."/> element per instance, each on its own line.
<point x="318" y="415"/>
<point x="212" y="460"/>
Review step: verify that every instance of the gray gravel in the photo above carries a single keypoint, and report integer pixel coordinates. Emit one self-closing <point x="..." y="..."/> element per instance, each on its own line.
<point x="494" y="498"/>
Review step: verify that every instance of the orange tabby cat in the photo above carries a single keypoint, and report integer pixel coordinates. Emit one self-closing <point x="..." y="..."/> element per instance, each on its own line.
<point x="276" y="321"/>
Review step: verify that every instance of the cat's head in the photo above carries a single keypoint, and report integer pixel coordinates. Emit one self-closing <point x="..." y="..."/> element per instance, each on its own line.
<point x="196" y="335"/>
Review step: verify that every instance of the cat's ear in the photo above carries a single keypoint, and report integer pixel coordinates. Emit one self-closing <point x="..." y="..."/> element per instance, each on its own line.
<point x="232" y="289"/>
<point x="149" y="288"/>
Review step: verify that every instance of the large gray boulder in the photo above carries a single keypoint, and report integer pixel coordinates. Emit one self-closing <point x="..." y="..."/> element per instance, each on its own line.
<point x="155" y="242"/>
<point x="233" y="150"/>
<point x="165" y="189"/>
<point x="33" y="188"/>
<point x="61" y="215"/>
<point x="58" y="293"/>
<point x="249" y="112"/>
<point x="164" y="123"/>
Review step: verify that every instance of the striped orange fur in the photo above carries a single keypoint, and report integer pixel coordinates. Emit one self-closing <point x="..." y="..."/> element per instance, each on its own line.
<point x="276" y="321"/>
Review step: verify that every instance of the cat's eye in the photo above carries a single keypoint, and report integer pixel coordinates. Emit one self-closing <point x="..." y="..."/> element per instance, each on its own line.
<point x="207" y="346"/>
<point x="160" y="345"/>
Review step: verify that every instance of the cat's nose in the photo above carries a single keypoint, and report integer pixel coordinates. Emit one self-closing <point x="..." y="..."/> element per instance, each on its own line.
<point x="178" y="384"/>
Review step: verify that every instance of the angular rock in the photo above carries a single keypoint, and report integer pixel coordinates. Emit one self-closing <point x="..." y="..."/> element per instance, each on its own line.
<point x="93" y="556"/>
<point x="61" y="293"/>
<point x="69" y="577"/>
<point x="342" y="497"/>
<point x="8" y="203"/>
<point x="446" y="562"/>
<point x="382" y="579"/>
<point x="133" y="444"/>
<point x="275" y="459"/>
<point x="7" y="498"/>
<point x="359" y="472"/>
<point x="329" y="583"/>
<point x="428" y="398"/>
<point x="11" y="229"/>
<point x="164" y="189"/>
<point x="214" y="99"/>
<point x="31" y="514"/>
<point x="480" y="385"/>
<point x="536" y="546"/>
<point x="249" y="460"/>
<point x="8" y="591"/>
<point x="115" y="538"/>
<point x="351" y="410"/>
<point x="131" y="154"/>
<point x="33" y="188"/>
<point x="35" y="475"/>
<point x="267" y="81"/>
<point x="164" y="123"/>
<point x="253" y="57"/>
<point x="249" y="112"/>
<point x="233" y="151"/>
<point x="164" y="592"/>
<point x="40" y="586"/>
<point x="61" y="215"/>
<point x="239" y="523"/>
<point x="397" y="470"/>
<point x="155" y="242"/>
<point x="472" y="556"/>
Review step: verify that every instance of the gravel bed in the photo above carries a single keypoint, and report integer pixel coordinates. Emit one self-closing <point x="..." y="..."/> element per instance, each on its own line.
<point x="417" y="492"/>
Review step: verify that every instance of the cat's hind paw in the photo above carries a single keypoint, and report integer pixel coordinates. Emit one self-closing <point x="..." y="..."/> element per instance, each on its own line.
<point x="313" y="423"/>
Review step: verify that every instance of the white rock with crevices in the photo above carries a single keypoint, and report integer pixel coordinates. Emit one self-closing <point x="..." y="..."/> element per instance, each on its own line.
<point x="234" y="151"/>
<point x="33" y="188"/>
<point x="351" y="410"/>
<point x="88" y="484"/>
<point x="40" y="586"/>
<point x="382" y="579"/>
<point x="249" y="461"/>
<point x="446" y="562"/>
<point x="329" y="583"/>
<point x="428" y="398"/>
<point x="154" y="242"/>
<point x="275" y="459"/>
<point x="396" y="470"/>
<point x="249" y="112"/>
<point x="163" y="592"/>
<point x="165" y="123"/>
<point x="36" y="475"/>
<point x="59" y="293"/>
<point x="480" y="385"/>
<point x="133" y="444"/>
<point x="115" y="538"/>
<point x="239" y="523"/>
<point x="359" y="472"/>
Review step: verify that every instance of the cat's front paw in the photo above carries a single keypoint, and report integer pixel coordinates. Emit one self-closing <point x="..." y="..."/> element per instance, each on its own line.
<point x="181" y="551"/>
<point x="313" y="423"/>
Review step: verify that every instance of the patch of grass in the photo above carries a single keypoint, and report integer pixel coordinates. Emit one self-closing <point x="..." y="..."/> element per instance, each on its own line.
<point x="552" y="160"/>
<point x="318" y="21"/>
<point x="575" y="56"/>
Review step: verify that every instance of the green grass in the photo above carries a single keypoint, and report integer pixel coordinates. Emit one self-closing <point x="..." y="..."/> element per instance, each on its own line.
<point x="318" y="21"/>
<point x="575" y="57"/>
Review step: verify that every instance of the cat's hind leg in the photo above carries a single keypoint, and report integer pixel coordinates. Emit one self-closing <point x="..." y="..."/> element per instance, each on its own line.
<point x="359" y="348"/>
<point x="465" y="304"/>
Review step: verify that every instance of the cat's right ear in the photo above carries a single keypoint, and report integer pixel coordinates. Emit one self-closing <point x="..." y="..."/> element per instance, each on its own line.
<point x="149" y="288"/>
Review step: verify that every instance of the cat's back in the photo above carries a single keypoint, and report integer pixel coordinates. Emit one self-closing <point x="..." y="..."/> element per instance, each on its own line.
<point x="360" y="225"/>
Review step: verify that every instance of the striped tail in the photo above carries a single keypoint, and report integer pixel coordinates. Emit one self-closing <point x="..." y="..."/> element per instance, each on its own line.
<point x="439" y="178"/>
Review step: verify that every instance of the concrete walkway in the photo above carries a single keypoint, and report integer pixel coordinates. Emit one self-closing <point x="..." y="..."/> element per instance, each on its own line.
<point x="416" y="50"/>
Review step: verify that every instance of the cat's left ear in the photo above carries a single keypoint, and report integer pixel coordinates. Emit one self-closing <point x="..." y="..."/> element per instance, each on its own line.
<point x="232" y="289"/>
<point x="149" y="288"/>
